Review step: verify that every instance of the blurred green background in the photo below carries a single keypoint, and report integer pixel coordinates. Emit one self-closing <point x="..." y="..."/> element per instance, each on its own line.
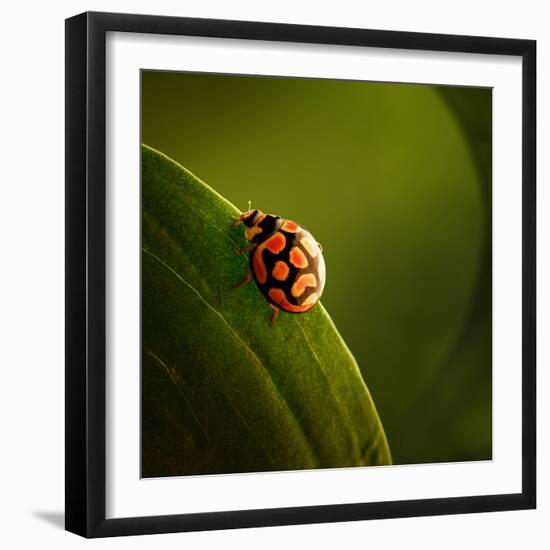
<point x="395" y="181"/>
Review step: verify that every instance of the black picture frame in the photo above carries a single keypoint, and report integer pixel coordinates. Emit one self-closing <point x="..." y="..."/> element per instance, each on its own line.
<point x="86" y="274"/>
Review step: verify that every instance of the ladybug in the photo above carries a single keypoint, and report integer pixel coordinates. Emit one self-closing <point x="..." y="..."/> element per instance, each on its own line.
<point x="285" y="260"/>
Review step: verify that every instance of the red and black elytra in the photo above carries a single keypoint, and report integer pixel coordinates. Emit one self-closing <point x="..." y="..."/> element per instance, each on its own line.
<point x="285" y="261"/>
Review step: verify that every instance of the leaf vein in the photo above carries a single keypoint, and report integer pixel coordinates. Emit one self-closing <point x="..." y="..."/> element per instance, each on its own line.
<point x="336" y="399"/>
<point x="178" y="384"/>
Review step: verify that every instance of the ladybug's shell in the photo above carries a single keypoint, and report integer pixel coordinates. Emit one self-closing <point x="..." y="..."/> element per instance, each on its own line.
<point x="289" y="268"/>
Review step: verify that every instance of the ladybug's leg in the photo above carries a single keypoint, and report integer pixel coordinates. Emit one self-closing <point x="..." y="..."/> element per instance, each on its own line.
<point x="274" y="315"/>
<point x="247" y="280"/>
<point x="237" y="222"/>
<point x="245" y="249"/>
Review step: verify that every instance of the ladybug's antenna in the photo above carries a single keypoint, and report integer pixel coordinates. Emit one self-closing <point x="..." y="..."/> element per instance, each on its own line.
<point x="250" y="205"/>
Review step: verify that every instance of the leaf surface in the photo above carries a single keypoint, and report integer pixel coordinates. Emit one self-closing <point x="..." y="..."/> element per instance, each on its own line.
<point x="222" y="390"/>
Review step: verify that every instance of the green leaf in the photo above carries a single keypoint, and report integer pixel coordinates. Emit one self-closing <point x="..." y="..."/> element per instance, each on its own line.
<point x="222" y="390"/>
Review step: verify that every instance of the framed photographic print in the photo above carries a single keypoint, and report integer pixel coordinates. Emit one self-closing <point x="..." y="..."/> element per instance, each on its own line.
<point x="300" y="274"/>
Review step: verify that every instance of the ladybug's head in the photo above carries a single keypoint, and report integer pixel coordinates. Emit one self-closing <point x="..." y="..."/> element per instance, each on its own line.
<point x="259" y="226"/>
<point x="250" y="217"/>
